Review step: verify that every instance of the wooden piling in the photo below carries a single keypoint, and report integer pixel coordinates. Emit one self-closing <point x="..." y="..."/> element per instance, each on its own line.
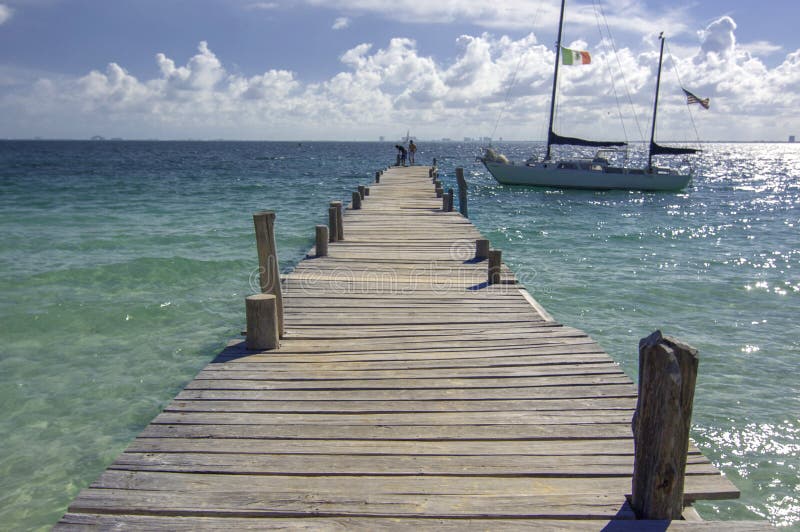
<point x="667" y="376"/>
<point x="449" y="200"/>
<point x="322" y="240"/>
<point x="462" y="192"/>
<point x="362" y="191"/>
<point x="495" y="259"/>
<point x="262" y="322"/>
<point x="333" y="222"/>
<point x="481" y="249"/>
<point x="366" y="191"/>
<point x="356" y="201"/>
<point x="339" y="219"/>
<point x="269" y="271"/>
<point x="378" y="176"/>
<point x="439" y="192"/>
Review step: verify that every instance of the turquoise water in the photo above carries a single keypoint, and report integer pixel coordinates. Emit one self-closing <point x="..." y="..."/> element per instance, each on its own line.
<point x="123" y="266"/>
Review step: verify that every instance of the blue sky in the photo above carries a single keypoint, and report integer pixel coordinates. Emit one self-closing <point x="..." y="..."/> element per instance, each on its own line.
<point x="357" y="69"/>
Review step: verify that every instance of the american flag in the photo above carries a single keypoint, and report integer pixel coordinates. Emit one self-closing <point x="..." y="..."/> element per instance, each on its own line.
<point x="691" y="98"/>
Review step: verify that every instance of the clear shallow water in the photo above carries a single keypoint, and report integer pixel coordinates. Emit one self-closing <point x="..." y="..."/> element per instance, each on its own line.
<point x="123" y="266"/>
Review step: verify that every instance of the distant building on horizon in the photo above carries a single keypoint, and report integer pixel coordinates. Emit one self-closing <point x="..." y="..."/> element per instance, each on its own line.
<point x="791" y="138"/>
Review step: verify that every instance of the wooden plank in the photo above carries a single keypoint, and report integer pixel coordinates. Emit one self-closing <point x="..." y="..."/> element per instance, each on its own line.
<point x="74" y="521"/>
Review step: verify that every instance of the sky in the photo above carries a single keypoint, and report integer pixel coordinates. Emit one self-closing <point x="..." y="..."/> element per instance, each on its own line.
<point x="361" y="69"/>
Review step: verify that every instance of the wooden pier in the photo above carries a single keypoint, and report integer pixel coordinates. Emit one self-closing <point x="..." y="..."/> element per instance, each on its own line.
<point x="407" y="392"/>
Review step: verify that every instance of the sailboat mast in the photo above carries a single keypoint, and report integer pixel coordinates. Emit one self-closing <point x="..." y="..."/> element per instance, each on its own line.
<point x="655" y="105"/>
<point x="555" y="81"/>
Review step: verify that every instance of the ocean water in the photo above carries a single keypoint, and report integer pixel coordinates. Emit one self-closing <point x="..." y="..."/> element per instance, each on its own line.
<point x="123" y="266"/>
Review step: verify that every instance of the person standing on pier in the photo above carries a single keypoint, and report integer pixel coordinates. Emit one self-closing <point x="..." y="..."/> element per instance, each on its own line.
<point x="401" y="155"/>
<point x="412" y="150"/>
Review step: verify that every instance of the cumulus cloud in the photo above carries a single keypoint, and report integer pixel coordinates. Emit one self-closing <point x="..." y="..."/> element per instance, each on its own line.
<point x="5" y="13"/>
<point x="340" y="23"/>
<point x="719" y="38"/>
<point x="397" y="84"/>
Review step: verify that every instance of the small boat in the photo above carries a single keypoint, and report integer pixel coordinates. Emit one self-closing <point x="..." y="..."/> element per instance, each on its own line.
<point x="597" y="173"/>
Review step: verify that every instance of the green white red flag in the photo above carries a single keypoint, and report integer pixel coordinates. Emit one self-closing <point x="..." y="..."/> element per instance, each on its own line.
<point x="575" y="57"/>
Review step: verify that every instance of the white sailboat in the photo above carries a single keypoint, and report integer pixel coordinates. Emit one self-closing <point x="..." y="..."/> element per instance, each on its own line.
<point x="589" y="173"/>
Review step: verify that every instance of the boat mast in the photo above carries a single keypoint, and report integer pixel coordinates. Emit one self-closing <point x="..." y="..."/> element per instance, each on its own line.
<point x="655" y="105"/>
<point x="555" y="81"/>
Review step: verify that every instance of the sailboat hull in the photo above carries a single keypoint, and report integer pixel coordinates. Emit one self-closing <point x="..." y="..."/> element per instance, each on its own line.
<point x="606" y="178"/>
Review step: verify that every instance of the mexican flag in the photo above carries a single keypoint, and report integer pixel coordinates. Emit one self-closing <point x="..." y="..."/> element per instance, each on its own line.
<point x="575" y="57"/>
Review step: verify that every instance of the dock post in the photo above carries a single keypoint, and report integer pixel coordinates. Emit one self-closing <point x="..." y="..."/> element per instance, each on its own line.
<point x="339" y="220"/>
<point x="439" y="191"/>
<point x="269" y="272"/>
<point x="667" y="377"/>
<point x="322" y="240"/>
<point x="495" y="259"/>
<point x="366" y="191"/>
<point x="378" y="176"/>
<point x="481" y="249"/>
<point x="362" y="191"/>
<point x="333" y="221"/>
<point x="434" y="161"/>
<point x="356" y="201"/>
<point x="462" y="192"/>
<point x="262" y="322"/>
<point x="449" y="200"/>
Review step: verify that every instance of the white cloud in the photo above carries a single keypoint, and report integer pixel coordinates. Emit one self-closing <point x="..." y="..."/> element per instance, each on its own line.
<point x="760" y="47"/>
<point x="265" y="6"/>
<point x="5" y="13"/>
<point x="397" y="84"/>
<point x="340" y="23"/>
<point x="522" y="15"/>
<point x="719" y="38"/>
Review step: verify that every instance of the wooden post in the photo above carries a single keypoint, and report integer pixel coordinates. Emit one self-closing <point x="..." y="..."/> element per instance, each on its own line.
<point x="362" y="191"/>
<point x="495" y="259"/>
<point x="449" y="200"/>
<point x="481" y="249"/>
<point x="378" y="176"/>
<point x="339" y="220"/>
<point x="356" y="201"/>
<point x="434" y="161"/>
<point x="262" y="322"/>
<point x="366" y="191"/>
<point x="333" y="221"/>
<point x="269" y="272"/>
<point x="430" y="172"/>
<point x="322" y="240"/>
<point x="444" y="199"/>
<point x="439" y="192"/>
<point x="462" y="192"/>
<point x="667" y="376"/>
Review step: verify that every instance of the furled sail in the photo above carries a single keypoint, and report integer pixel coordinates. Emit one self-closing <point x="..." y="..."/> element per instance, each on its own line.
<point x="555" y="138"/>
<point x="656" y="149"/>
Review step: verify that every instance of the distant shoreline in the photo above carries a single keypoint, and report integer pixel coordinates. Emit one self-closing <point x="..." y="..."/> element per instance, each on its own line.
<point x="389" y="141"/>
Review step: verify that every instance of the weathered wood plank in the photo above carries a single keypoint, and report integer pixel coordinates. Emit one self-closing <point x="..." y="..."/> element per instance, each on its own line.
<point x="73" y="521"/>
